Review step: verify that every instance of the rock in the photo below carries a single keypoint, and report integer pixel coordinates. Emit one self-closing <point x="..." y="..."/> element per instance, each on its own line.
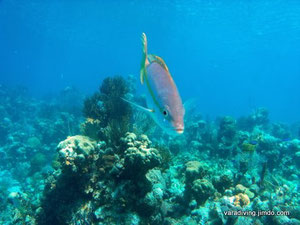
<point x="228" y="192"/>
<point x="223" y="181"/>
<point x="260" y="205"/>
<point x="202" y="189"/>
<point x="14" y="198"/>
<point x="239" y="188"/>
<point x="156" y="179"/>
<point x="99" y="214"/>
<point x="193" y="204"/>
<point x="249" y="193"/>
<point x="246" y="180"/>
<point x="241" y="220"/>
<point x="294" y="221"/>
<point x="295" y="212"/>
<point x="279" y="220"/>
<point x="227" y="129"/>
<point x="132" y="219"/>
<point x="152" y="202"/>
<point x="34" y="142"/>
<point x="297" y="158"/>
<point x="254" y="188"/>
<point x="260" y="116"/>
<point x="193" y="170"/>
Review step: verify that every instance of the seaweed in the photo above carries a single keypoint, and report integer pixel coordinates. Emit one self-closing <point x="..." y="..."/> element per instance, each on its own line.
<point x="262" y="174"/>
<point x="112" y="90"/>
<point x="165" y="155"/>
<point x="91" y="107"/>
<point x="107" y="107"/>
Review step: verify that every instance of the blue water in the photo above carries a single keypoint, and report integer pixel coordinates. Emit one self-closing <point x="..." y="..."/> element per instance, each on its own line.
<point x="233" y="56"/>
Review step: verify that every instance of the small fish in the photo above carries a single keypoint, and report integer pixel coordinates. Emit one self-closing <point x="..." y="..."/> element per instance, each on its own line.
<point x="286" y="139"/>
<point x="253" y="142"/>
<point x="163" y="100"/>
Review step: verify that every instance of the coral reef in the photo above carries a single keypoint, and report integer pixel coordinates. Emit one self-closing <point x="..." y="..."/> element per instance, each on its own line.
<point x="30" y="129"/>
<point x="120" y="169"/>
<point x="93" y="173"/>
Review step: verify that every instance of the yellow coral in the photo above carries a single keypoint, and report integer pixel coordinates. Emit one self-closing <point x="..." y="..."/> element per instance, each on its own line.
<point x="241" y="189"/>
<point x="241" y="200"/>
<point x="247" y="147"/>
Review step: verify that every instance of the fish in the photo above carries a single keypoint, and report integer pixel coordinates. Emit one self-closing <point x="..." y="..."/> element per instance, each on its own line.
<point x="163" y="100"/>
<point x="286" y="139"/>
<point x="253" y="142"/>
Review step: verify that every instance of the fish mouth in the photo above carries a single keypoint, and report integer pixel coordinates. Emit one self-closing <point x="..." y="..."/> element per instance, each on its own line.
<point x="179" y="130"/>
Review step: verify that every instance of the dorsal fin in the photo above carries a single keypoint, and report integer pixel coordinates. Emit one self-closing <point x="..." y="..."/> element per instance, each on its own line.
<point x="161" y="62"/>
<point x="154" y="58"/>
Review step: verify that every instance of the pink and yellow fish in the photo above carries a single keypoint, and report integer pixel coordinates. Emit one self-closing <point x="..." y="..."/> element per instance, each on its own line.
<point x="163" y="100"/>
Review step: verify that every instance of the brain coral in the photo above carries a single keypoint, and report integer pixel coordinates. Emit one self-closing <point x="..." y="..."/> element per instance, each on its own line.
<point x="139" y="157"/>
<point x="75" y="150"/>
<point x="241" y="200"/>
<point x="202" y="189"/>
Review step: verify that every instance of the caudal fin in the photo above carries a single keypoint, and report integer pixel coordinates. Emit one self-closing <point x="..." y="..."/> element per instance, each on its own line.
<point x="144" y="58"/>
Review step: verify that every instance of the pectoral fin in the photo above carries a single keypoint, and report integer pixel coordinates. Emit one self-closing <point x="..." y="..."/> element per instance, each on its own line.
<point x="139" y="106"/>
<point x="190" y="108"/>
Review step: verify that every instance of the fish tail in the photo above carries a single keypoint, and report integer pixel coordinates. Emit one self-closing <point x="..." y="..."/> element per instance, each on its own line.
<point x="144" y="58"/>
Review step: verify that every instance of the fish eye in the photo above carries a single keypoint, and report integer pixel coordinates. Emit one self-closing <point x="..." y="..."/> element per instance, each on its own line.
<point x="165" y="113"/>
